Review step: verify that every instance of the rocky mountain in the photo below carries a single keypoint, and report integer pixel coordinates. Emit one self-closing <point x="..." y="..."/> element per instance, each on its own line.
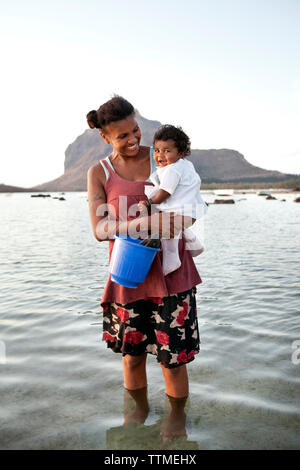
<point x="213" y="165"/>
<point x="224" y="165"/>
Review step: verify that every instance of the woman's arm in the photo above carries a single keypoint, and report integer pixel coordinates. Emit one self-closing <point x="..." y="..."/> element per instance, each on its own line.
<point x="103" y="228"/>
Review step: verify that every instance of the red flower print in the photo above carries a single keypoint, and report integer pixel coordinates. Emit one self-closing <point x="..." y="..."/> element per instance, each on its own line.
<point x="180" y="318"/>
<point x="185" y="307"/>
<point x="183" y="313"/>
<point x="122" y="314"/>
<point x="191" y="355"/>
<point x="134" y="337"/>
<point x="182" y="357"/>
<point x="105" y="308"/>
<point x="107" y="337"/>
<point x="162" y="338"/>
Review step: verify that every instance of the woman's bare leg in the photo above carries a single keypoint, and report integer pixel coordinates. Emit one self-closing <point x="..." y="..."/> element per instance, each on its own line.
<point x="176" y="380"/>
<point x="136" y="407"/>
<point x="177" y="390"/>
<point x="134" y="370"/>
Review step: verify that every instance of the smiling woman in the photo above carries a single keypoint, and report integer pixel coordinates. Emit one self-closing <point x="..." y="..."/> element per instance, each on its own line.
<point x="112" y="119"/>
<point x="136" y="320"/>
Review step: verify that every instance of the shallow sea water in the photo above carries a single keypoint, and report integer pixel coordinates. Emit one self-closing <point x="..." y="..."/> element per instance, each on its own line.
<point x="62" y="389"/>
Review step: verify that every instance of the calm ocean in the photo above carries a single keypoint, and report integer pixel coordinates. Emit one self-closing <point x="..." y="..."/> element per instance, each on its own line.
<point x="62" y="389"/>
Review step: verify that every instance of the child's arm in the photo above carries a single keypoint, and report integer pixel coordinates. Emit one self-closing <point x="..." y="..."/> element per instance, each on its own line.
<point x="159" y="197"/>
<point x="167" y="183"/>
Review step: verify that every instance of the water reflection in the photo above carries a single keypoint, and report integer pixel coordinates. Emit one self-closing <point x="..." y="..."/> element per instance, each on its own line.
<point x="136" y="406"/>
<point x="174" y="423"/>
<point x="169" y="431"/>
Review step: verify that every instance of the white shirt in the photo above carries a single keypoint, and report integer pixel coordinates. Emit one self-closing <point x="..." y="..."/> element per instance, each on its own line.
<point x="181" y="180"/>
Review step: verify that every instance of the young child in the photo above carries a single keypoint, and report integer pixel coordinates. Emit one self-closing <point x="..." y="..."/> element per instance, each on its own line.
<point x="176" y="189"/>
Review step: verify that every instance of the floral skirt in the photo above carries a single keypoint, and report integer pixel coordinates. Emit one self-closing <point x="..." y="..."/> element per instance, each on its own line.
<point x="167" y="328"/>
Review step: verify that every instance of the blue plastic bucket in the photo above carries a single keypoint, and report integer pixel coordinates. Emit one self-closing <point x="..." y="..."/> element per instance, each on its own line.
<point x="130" y="262"/>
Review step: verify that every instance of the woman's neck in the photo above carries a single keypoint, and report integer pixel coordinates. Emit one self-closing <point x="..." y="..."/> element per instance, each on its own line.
<point x="124" y="158"/>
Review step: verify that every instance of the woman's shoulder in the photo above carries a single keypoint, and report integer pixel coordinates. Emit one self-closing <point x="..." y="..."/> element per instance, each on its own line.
<point x="96" y="173"/>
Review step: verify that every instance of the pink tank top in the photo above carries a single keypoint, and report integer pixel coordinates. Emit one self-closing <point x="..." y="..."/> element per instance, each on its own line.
<point x="156" y="284"/>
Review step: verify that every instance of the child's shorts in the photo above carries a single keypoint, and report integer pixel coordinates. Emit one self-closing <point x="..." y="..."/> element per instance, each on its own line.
<point x="167" y="328"/>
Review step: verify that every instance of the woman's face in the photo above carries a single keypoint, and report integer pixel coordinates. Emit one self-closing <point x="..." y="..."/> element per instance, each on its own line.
<point x="124" y="136"/>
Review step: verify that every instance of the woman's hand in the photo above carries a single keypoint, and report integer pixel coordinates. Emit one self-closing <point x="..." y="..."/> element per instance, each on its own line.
<point x="166" y="224"/>
<point x="144" y="205"/>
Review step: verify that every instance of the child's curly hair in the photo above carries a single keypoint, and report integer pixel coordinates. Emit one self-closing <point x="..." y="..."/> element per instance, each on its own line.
<point x="182" y="141"/>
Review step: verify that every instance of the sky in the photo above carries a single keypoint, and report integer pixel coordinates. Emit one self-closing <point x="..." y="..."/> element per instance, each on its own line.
<point x="227" y="71"/>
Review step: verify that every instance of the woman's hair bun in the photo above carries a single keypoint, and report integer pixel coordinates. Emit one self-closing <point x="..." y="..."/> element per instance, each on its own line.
<point x="92" y="119"/>
<point x="116" y="109"/>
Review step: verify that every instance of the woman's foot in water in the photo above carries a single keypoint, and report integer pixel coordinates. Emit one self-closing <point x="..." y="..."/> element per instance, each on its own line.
<point x="173" y="426"/>
<point x="136" y="406"/>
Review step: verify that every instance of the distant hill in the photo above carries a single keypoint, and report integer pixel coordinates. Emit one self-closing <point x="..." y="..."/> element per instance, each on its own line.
<point x="214" y="166"/>
<point x="4" y="188"/>
<point x="224" y="165"/>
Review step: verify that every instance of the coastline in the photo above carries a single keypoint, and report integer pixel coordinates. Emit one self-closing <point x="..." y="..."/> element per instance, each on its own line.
<point x="286" y="185"/>
<point x="291" y="185"/>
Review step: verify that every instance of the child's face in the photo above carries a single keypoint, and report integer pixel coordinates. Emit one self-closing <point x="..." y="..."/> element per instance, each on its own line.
<point x="166" y="152"/>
